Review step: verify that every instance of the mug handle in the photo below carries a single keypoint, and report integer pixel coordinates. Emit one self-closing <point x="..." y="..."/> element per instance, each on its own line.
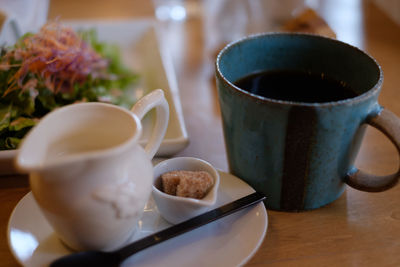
<point x="389" y="124"/>
<point x="155" y="99"/>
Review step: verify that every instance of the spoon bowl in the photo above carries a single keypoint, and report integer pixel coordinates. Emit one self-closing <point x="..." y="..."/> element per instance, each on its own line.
<point x="89" y="258"/>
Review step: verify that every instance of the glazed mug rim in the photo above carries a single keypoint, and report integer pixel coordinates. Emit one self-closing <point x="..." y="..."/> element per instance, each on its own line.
<point x="360" y="98"/>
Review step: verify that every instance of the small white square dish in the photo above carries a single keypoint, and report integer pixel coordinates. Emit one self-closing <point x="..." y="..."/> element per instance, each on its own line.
<point x="143" y="52"/>
<point x="175" y="208"/>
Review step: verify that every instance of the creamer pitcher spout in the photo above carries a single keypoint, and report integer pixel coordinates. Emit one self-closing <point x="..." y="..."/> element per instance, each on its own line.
<point x="75" y="133"/>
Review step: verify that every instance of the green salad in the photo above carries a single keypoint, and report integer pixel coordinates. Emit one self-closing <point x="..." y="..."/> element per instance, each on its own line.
<point x="55" y="67"/>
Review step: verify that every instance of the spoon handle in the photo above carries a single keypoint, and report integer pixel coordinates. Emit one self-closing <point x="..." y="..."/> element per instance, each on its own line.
<point x="190" y="224"/>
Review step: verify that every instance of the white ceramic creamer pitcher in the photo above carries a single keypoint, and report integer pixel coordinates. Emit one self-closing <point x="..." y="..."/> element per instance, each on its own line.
<point x="88" y="173"/>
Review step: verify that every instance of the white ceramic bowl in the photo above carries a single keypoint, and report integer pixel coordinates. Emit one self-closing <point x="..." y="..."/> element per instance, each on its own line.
<point x="176" y="209"/>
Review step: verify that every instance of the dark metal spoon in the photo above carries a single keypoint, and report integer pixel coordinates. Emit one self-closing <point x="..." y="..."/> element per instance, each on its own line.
<point x="99" y="259"/>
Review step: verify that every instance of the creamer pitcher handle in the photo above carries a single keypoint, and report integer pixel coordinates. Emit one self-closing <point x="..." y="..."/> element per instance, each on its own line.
<point x="155" y="99"/>
<point x="389" y="124"/>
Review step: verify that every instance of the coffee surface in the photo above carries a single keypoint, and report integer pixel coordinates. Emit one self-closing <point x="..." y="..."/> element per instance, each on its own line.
<point x="296" y="86"/>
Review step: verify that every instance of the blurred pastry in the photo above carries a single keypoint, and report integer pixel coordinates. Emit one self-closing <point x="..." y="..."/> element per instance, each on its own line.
<point x="308" y="21"/>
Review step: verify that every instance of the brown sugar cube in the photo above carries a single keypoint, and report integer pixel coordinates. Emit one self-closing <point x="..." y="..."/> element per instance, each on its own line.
<point x="194" y="184"/>
<point x="170" y="181"/>
<point x="308" y="21"/>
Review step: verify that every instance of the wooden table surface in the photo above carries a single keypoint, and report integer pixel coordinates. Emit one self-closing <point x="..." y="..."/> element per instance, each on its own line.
<point x="359" y="229"/>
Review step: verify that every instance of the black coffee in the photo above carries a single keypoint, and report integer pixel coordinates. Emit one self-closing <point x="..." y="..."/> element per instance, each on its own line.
<point x="296" y="86"/>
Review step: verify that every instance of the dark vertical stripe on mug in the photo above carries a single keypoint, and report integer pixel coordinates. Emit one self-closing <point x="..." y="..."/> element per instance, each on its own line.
<point x="300" y="133"/>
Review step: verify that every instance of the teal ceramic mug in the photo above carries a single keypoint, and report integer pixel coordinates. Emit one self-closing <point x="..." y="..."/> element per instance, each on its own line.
<point x="301" y="154"/>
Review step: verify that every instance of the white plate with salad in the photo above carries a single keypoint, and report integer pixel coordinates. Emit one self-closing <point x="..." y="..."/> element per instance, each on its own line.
<point x="141" y="54"/>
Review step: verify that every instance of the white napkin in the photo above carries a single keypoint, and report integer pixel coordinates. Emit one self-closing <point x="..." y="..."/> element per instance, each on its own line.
<point x="19" y="17"/>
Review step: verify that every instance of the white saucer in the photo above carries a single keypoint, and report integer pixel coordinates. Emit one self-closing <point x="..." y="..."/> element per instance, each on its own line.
<point x="230" y="241"/>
